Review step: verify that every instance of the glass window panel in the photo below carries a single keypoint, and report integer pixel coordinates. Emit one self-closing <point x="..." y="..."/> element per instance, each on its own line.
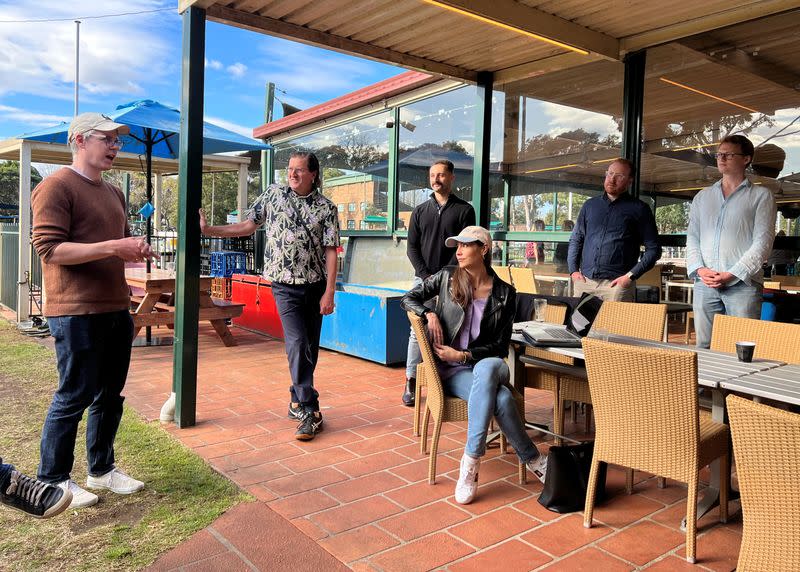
<point x="439" y="127"/>
<point x="561" y="130"/>
<point x="354" y="160"/>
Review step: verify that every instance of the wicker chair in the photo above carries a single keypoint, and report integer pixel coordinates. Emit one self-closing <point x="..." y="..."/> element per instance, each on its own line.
<point x="524" y="280"/>
<point x="438" y="405"/>
<point x="645" y="321"/>
<point x="542" y="379"/>
<point x="647" y="418"/>
<point x="766" y="441"/>
<point x="774" y="340"/>
<point x="504" y="273"/>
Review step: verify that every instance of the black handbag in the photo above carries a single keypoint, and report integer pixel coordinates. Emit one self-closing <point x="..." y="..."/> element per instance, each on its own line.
<point x="567" y="478"/>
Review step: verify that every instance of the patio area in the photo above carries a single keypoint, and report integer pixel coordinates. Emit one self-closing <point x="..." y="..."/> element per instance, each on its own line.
<point x="360" y="492"/>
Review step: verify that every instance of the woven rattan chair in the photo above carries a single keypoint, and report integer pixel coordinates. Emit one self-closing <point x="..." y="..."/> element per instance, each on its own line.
<point x="645" y="321"/>
<point x="766" y="441"/>
<point x="439" y="406"/>
<point x="542" y="379"/>
<point x="647" y="418"/>
<point x="504" y="273"/>
<point x="524" y="280"/>
<point x="774" y="340"/>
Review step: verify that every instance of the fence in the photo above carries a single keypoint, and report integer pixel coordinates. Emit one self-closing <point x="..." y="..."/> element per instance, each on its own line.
<point x="9" y="264"/>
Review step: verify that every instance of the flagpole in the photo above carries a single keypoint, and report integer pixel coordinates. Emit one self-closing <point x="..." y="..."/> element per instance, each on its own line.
<point x="77" y="61"/>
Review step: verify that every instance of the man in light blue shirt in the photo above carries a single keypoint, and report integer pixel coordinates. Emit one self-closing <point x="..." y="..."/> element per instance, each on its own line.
<point x="730" y="234"/>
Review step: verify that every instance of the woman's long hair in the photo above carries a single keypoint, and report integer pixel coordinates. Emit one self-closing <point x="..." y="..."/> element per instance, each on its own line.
<point x="460" y="286"/>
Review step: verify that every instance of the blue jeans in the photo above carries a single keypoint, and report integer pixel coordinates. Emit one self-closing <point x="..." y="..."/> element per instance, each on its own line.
<point x="93" y="353"/>
<point x="487" y="392"/>
<point x="738" y="300"/>
<point x="298" y="307"/>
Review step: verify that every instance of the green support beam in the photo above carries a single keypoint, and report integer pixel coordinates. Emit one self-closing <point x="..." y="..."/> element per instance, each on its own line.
<point x="268" y="156"/>
<point x="190" y="173"/>
<point x="633" y="112"/>
<point x="483" y="134"/>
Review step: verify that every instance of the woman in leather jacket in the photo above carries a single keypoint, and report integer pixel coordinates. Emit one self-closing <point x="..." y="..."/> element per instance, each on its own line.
<point x="470" y="330"/>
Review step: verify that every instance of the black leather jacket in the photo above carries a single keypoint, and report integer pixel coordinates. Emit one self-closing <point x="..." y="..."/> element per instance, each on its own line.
<point x="496" y="324"/>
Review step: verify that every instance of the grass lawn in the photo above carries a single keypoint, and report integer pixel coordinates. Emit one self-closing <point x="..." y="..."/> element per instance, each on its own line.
<point x="182" y="494"/>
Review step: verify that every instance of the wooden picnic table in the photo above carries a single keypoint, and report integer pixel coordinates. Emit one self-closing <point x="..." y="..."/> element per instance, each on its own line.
<point x="154" y="310"/>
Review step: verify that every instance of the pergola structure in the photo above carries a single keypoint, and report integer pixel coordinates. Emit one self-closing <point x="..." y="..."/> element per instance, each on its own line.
<point x="488" y="44"/>
<point x="28" y="152"/>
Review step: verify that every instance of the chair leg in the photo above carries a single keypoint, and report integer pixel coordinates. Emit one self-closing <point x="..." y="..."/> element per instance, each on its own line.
<point x="437" y="430"/>
<point x="629" y="480"/>
<point x="725" y="471"/>
<point x="689" y="320"/>
<point x="588" y="509"/>
<point x="523" y="473"/>
<point x="418" y="402"/>
<point x="423" y="442"/>
<point x="691" y="521"/>
<point x="662" y="482"/>
<point x="558" y="418"/>
<point x="588" y="418"/>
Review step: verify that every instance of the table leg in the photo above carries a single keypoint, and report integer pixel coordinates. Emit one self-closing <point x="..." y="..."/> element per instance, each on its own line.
<point x="711" y="496"/>
<point x="219" y="326"/>
<point x="146" y="307"/>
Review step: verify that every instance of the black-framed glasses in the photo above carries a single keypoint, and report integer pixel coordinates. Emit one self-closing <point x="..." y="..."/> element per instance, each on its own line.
<point x="728" y="156"/>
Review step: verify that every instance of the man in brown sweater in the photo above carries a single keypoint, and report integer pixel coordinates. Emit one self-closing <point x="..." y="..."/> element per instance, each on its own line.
<point x="81" y="233"/>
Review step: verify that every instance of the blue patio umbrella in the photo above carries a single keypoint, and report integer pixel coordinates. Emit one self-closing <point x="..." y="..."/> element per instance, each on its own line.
<point x="155" y="132"/>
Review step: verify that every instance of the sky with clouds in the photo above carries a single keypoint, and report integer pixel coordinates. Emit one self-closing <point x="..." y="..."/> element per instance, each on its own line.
<point x="138" y="56"/>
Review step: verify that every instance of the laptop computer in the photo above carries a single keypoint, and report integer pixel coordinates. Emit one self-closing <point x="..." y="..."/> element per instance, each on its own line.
<point x="578" y="323"/>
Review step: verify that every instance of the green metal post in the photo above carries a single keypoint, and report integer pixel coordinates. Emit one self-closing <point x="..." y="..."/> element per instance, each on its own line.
<point x="393" y="186"/>
<point x="126" y="184"/>
<point x="268" y="156"/>
<point x="483" y="134"/>
<point x="506" y="212"/>
<point x="632" y="113"/>
<point x="190" y="169"/>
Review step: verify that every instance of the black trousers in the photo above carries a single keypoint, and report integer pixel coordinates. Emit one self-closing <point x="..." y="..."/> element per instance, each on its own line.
<point x="298" y="307"/>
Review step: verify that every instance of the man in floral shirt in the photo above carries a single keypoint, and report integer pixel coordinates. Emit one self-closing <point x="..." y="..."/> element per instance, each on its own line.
<point x="302" y="235"/>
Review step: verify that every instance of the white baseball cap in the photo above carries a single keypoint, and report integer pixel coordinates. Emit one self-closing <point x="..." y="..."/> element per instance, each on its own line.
<point x="86" y="122"/>
<point x="470" y="234"/>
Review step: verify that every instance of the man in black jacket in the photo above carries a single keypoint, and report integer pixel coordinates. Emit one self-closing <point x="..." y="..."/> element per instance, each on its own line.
<point x="443" y="215"/>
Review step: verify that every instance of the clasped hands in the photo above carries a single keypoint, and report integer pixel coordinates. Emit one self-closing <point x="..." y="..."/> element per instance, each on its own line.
<point x="714" y="279"/>
<point x="135" y="249"/>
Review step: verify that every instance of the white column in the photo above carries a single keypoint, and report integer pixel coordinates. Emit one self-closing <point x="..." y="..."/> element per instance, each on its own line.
<point x="157" y="200"/>
<point x="241" y="202"/>
<point x="24" y="265"/>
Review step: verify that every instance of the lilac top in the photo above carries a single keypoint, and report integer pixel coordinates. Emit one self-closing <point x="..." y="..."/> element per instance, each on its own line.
<point x="470" y="329"/>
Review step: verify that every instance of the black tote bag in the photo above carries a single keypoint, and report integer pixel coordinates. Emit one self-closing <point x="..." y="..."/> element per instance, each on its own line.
<point x="567" y="478"/>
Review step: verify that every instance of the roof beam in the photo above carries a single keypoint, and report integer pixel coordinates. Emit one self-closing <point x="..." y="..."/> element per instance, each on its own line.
<point x="296" y="33"/>
<point x="516" y="15"/>
<point x="736" y="15"/>
<point x="540" y="67"/>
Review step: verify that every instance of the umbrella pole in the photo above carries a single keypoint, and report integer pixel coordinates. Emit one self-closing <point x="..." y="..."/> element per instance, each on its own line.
<point x="149" y="187"/>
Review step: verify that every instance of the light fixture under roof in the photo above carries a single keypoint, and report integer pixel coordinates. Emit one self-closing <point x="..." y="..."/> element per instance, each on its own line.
<point x="551" y="168"/>
<point x="722" y="99"/>
<point x="507" y="27"/>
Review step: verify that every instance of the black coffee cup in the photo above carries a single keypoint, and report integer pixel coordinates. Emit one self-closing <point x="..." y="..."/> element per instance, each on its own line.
<point x="744" y="351"/>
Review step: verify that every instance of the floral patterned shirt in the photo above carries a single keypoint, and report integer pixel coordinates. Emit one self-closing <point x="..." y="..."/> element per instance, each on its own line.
<point x="298" y="230"/>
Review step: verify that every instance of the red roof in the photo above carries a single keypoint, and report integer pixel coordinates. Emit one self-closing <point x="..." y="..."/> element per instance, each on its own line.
<point x="401" y="83"/>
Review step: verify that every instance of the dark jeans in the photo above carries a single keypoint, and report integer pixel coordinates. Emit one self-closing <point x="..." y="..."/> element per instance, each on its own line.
<point x="298" y="307"/>
<point x="5" y="475"/>
<point x="93" y="353"/>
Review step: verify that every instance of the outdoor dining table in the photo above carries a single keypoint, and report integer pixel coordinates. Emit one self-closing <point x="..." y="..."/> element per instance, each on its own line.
<point x="152" y="311"/>
<point x="716" y="371"/>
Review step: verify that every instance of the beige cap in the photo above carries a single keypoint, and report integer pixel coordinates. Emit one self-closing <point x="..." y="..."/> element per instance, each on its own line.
<point x="471" y="234"/>
<point x="86" y="122"/>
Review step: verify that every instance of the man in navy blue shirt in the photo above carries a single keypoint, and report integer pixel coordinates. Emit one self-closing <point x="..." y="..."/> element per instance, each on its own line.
<point x="604" y="248"/>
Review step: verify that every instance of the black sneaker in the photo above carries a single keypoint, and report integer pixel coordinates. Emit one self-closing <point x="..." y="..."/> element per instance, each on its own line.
<point x="296" y="413"/>
<point x="34" y="497"/>
<point x="309" y="426"/>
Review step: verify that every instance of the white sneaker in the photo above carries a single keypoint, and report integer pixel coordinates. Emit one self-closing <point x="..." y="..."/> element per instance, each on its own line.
<point x="116" y="481"/>
<point x="80" y="497"/>
<point x="538" y="467"/>
<point x="467" y="484"/>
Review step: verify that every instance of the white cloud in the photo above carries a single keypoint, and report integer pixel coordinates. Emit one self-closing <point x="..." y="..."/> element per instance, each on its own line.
<point x="117" y="55"/>
<point x="247" y="131"/>
<point x="237" y="70"/>
<point x="32" y="118"/>
<point x="213" y="64"/>
<point x="561" y="118"/>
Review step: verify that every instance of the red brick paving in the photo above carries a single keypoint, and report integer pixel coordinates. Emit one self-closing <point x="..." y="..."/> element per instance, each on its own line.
<point x="357" y="496"/>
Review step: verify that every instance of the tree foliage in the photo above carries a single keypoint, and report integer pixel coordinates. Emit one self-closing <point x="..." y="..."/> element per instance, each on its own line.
<point x="9" y="185"/>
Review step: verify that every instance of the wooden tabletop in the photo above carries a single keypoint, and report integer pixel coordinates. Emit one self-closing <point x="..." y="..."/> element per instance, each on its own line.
<point x="158" y="280"/>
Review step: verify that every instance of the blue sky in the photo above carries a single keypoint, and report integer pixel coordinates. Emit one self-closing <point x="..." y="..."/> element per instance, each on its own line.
<point x="138" y="56"/>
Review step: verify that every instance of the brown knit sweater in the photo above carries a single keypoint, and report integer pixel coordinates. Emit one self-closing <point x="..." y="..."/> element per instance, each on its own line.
<point x="70" y="208"/>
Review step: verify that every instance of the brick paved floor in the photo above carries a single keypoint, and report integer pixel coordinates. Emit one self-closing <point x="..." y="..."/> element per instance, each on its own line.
<point x="359" y="490"/>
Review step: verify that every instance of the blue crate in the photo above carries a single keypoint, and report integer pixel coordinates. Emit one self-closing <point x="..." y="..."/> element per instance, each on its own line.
<point x="226" y="263"/>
